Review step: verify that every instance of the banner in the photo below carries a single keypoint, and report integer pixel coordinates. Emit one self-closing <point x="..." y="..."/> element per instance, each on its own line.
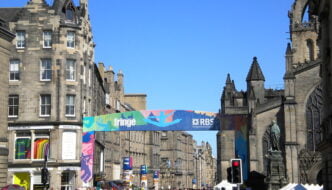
<point x="160" y="120"/>
<point x="239" y="123"/>
<point x="87" y="156"/>
<point x="144" y="169"/>
<point x="127" y="163"/>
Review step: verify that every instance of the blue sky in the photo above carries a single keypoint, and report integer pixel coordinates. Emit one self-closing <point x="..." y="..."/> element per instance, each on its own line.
<point x="179" y="52"/>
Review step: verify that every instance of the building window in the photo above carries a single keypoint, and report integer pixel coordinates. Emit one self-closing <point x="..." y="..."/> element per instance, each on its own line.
<point x="70" y="12"/>
<point x="24" y="147"/>
<point x="47" y="35"/>
<point x="70" y="70"/>
<point x="68" y="180"/>
<point x="13" y="102"/>
<point x="70" y="105"/>
<point x="84" y="106"/>
<point x="20" y="39"/>
<point x="45" y="70"/>
<point x="89" y="77"/>
<point x="71" y="39"/>
<point x="69" y="145"/>
<point x="310" y="50"/>
<point x="14" y="70"/>
<point x="45" y="105"/>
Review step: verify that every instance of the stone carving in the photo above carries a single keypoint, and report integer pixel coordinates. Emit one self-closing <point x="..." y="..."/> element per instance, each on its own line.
<point x="275" y="136"/>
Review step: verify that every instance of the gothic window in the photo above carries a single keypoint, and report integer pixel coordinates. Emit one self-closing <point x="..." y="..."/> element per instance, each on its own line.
<point x="70" y="12"/>
<point x="310" y="50"/>
<point x="314" y="117"/>
<point x="305" y="14"/>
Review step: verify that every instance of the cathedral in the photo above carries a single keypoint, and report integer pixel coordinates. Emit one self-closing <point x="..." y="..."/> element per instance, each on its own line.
<point x="297" y="110"/>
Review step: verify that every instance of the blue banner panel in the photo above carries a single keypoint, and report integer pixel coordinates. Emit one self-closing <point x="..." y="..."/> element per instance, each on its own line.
<point x="127" y="163"/>
<point x="160" y="120"/>
<point x="144" y="169"/>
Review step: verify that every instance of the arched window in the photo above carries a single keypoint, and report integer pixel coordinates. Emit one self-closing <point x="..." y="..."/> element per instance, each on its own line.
<point x="314" y="110"/>
<point x="305" y="14"/>
<point x="310" y="50"/>
<point x="70" y="12"/>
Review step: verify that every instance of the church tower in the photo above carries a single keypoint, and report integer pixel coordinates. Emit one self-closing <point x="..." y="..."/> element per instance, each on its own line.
<point x="255" y="82"/>
<point x="302" y="107"/>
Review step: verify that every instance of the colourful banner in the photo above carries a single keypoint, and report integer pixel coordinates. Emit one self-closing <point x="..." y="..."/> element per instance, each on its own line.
<point x="239" y="123"/>
<point x="168" y="120"/>
<point x="87" y="156"/>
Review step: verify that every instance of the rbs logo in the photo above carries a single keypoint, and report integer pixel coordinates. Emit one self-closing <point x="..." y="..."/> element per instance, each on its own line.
<point x="202" y="122"/>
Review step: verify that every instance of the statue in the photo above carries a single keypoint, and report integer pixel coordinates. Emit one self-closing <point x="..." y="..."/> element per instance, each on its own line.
<point x="275" y="136"/>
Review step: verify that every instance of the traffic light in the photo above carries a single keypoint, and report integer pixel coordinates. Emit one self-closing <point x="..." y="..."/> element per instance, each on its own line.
<point x="44" y="175"/>
<point x="236" y="171"/>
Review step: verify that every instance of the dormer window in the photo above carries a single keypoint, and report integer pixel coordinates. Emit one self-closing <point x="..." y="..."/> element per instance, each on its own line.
<point x="70" y="12"/>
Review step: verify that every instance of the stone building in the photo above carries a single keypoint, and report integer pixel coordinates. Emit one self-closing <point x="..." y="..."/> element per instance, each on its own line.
<point x="297" y="109"/>
<point x="177" y="160"/>
<point x="142" y="146"/>
<point x="5" y="43"/>
<point x="322" y="9"/>
<point x="52" y="85"/>
<point x="205" y="168"/>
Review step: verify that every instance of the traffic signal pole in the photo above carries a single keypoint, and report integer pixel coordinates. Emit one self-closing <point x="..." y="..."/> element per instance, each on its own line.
<point x="44" y="173"/>
<point x="236" y="172"/>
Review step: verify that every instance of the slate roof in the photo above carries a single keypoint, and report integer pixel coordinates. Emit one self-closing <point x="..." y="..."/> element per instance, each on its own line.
<point x="10" y="14"/>
<point x="255" y="72"/>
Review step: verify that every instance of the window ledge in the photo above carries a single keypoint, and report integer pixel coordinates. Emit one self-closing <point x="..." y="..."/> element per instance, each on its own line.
<point x="70" y="115"/>
<point x="44" y="116"/>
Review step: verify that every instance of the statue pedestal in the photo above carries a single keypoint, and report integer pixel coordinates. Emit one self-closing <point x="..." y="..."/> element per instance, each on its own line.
<point x="276" y="178"/>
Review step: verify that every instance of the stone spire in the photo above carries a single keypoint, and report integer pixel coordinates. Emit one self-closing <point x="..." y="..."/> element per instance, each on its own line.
<point x="228" y="79"/>
<point x="255" y="72"/>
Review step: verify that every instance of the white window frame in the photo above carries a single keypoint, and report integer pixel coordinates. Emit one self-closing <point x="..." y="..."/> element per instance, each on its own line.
<point x="20" y="39"/>
<point x="70" y="103"/>
<point x="36" y="136"/>
<point x="31" y="144"/>
<point x="33" y="136"/>
<point x="70" y="70"/>
<point x="72" y="180"/>
<point x="71" y="39"/>
<point x="47" y="39"/>
<point x="14" y="67"/>
<point x="45" y="69"/>
<point x="69" y="145"/>
<point x="12" y="96"/>
<point x="48" y="105"/>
